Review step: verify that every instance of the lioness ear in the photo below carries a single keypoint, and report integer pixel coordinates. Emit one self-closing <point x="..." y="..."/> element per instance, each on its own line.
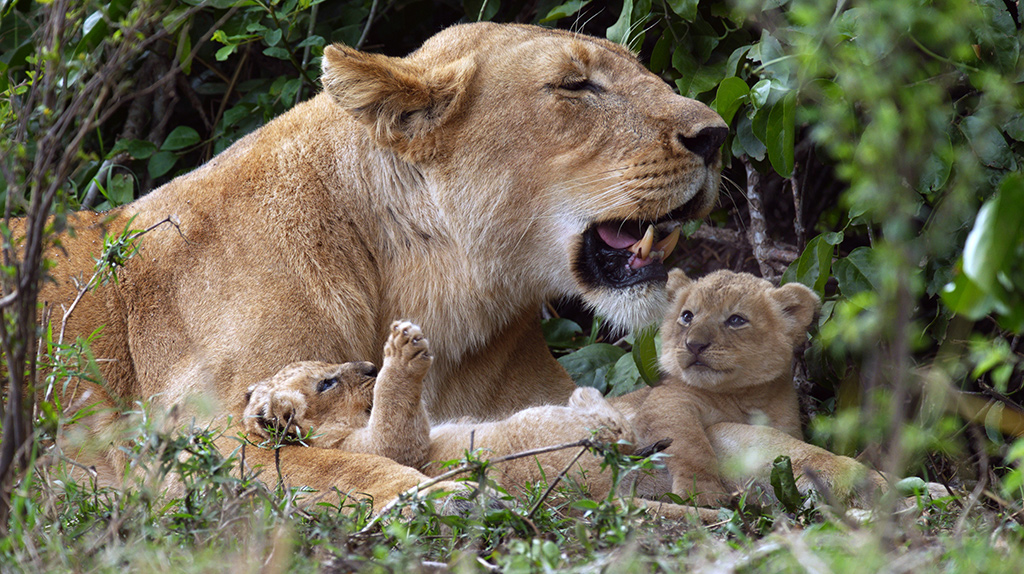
<point x="799" y="305"/>
<point x="400" y="103"/>
<point x="677" y="282"/>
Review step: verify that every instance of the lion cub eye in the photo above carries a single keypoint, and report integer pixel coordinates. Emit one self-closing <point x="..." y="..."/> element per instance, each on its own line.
<point x="326" y="384"/>
<point x="736" y="321"/>
<point x="685" y="317"/>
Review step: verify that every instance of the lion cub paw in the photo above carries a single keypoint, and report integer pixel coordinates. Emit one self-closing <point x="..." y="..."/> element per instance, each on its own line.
<point x="598" y="414"/>
<point x="275" y="411"/>
<point x="407" y="349"/>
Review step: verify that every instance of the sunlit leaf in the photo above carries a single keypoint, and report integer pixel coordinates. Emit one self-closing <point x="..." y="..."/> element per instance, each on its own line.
<point x="180" y="137"/>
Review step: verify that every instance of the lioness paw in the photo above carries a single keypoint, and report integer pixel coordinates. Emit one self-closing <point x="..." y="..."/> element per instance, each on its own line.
<point x="408" y="349"/>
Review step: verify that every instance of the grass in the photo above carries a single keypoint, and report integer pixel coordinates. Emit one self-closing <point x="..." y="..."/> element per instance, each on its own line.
<point x="222" y="520"/>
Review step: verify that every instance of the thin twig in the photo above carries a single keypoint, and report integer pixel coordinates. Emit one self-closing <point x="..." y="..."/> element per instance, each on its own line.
<point x="554" y="483"/>
<point x="758" y="235"/>
<point x="369" y="23"/>
<point x="412" y="492"/>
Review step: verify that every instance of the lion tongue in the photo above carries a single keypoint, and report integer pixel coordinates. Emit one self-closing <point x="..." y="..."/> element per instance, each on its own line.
<point x="614" y="236"/>
<point x="645" y="250"/>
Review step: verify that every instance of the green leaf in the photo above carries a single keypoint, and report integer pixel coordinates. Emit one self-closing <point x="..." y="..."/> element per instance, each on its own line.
<point x="623" y="377"/>
<point x="987" y="142"/>
<point x="813" y="266"/>
<point x="685" y="9"/>
<point x="180" y="137"/>
<point x="781" y="135"/>
<point x="965" y="298"/>
<point x="272" y="37"/>
<point x="747" y="141"/>
<point x="589" y="366"/>
<point x="759" y="93"/>
<point x="997" y="233"/>
<point x="225" y="52"/>
<point x="731" y="94"/>
<point x="138" y="149"/>
<point x="275" y="52"/>
<point x="910" y="486"/>
<point x="645" y="354"/>
<point x="857" y="272"/>
<point x="784" y="484"/>
<point x="619" y="31"/>
<point x="120" y="189"/>
<point x="561" y="333"/>
<point x="564" y="10"/>
<point x="161" y="163"/>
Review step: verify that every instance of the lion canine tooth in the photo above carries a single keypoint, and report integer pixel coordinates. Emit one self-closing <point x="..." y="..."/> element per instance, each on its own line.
<point x="643" y="247"/>
<point x="668" y="245"/>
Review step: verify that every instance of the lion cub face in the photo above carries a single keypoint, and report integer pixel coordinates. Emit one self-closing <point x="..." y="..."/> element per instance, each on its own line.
<point x="733" y="330"/>
<point x="309" y="394"/>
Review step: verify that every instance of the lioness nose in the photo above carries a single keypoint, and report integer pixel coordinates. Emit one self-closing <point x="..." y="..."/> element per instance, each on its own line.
<point x="706" y="143"/>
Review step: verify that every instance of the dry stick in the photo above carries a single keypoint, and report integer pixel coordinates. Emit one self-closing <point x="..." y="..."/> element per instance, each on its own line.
<point x="369" y="22"/>
<point x="979" y="443"/>
<point x="758" y="234"/>
<point x="798" y="221"/>
<point x="465" y="468"/>
<point x="554" y="483"/>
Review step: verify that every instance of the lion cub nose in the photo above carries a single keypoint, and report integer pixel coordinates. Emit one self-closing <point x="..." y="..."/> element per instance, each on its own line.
<point x="706" y="143"/>
<point x="367" y="369"/>
<point x="696" y="347"/>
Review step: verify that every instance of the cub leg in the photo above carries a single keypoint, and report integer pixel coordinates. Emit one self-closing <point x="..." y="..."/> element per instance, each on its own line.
<point x="747" y="451"/>
<point x="692" y="464"/>
<point x="398" y="426"/>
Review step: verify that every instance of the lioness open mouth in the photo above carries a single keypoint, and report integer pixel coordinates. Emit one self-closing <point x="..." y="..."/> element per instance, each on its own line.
<point x="621" y="254"/>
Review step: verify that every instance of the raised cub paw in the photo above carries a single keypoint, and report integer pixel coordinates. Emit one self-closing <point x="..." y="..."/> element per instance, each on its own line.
<point x="407" y="349"/>
<point x="597" y="414"/>
<point x="275" y="413"/>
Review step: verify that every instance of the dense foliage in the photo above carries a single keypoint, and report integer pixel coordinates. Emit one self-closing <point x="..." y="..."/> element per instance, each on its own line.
<point x="875" y="156"/>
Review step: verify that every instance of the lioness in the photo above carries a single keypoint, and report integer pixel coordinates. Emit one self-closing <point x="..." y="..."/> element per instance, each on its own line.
<point x="494" y="168"/>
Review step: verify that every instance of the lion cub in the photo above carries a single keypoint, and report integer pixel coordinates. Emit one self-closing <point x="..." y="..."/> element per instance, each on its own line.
<point x="352" y="407"/>
<point x="727" y="353"/>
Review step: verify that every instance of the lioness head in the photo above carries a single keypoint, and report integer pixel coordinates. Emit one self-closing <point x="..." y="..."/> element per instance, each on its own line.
<point x="731" y="330"/>
<point x="555" y="155"/>
<point x="310" y="395"/>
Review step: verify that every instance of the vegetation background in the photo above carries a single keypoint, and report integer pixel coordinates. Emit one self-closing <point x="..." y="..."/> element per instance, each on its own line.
<point x="875" y="156"/>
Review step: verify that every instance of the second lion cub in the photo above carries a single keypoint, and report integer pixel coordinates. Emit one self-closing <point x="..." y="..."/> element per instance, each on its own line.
<point x="727" y="355"/>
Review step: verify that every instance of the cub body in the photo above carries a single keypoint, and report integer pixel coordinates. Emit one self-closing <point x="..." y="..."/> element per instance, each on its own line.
<point x="727" y="353"/>
<point x="350" y="407"/>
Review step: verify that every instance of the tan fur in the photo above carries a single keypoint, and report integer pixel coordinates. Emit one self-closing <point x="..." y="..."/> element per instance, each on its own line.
<point x="727" y="351"/>
<point x="450" y="187"/>
<point x="727" y="398"/>
<point x="342" y="416"/>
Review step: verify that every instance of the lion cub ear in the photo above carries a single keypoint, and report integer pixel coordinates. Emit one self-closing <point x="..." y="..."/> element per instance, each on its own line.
<point x="799" y="306"/>
<point x="401" y="103"/>
<point x="677" y="283"/>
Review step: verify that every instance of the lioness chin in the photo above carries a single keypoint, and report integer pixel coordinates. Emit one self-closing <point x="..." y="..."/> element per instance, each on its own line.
<point x="496" y="167"/>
